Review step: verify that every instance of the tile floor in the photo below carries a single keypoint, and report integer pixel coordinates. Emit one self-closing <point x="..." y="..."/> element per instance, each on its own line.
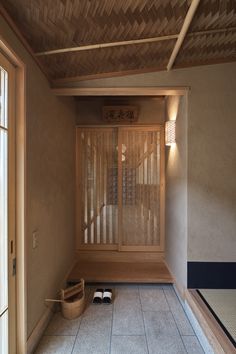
<point x="144" y="319"/>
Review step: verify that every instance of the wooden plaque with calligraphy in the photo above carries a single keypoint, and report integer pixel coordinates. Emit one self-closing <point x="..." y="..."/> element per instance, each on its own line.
<point x="120" y="114"/>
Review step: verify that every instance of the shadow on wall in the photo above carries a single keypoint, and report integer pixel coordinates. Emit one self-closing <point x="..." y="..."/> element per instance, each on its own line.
<point x="172" y="107"/>
<point x="176" y="193"/>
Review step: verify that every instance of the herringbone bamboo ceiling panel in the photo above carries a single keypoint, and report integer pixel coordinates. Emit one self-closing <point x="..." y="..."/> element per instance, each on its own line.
<point x="214" y="14"/>
<point x="71" y="25"/>
<point x="53" y="24"/>
<point x="123" y="58"/>
<point x="218" y="16"/>
<point x="203" y="49"/>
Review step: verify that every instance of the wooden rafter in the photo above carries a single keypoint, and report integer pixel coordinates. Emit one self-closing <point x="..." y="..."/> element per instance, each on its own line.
<point x="130" y="42"/>
<point x="183" y="32"/>
<point x="108" y="45"/>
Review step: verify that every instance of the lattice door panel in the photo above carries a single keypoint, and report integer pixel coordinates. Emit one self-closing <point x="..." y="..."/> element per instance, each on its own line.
<point x="119" y="188"/>
<point x="97" y="208"/>
<point x="141" y="182"/>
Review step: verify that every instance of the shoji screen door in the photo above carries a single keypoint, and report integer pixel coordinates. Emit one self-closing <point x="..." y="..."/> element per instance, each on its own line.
<point x="120" y="188"/>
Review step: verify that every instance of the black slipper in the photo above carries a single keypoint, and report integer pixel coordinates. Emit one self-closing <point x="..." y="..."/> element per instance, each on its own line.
<point x="107" y="296"/>
<point x="98" y="296"/>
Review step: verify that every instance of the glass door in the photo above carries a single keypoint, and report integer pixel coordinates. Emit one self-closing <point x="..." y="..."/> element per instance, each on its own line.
<point x="7" y="207"/>
<point x="141" y="186"/>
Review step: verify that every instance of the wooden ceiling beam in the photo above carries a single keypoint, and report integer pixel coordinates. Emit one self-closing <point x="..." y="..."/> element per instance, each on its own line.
<point x="108" y="45"/>
<point x="121" y="91"/>
<point x="183" y="32"/>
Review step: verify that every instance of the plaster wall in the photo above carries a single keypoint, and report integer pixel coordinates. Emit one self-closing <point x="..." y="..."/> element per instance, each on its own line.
<point x="176" y="192"/>
<point x="150" y="110"/>
<point x="50" y="175"/>
<point x="211" y="134"/>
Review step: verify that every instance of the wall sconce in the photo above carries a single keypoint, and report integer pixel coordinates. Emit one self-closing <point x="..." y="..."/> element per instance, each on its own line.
<point x="170" y="132"/>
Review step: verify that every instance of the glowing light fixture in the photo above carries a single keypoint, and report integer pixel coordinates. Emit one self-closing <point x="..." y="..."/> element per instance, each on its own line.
<point x="170" y="132"/>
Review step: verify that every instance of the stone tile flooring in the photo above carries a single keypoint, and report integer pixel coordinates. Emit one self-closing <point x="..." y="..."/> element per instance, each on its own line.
<point x="144" y="319"/>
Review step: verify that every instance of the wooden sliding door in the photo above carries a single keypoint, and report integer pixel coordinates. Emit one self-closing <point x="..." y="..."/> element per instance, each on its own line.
<point x="97" y="209"/>
<point x="141" y="189"/>
<point x="120" y="188"/>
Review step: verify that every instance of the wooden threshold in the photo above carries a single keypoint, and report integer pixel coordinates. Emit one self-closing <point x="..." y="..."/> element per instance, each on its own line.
<point x="116" y="256"/>
<point x="121" y="272"/>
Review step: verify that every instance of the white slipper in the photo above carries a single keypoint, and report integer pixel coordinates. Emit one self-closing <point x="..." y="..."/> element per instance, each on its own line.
<point x="98" y="296"/>
<point x="107" y="296"/>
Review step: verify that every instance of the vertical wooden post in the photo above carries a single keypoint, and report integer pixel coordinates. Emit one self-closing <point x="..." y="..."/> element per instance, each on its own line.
<point x="162" y="189"/>
<point x="120" y="182"/>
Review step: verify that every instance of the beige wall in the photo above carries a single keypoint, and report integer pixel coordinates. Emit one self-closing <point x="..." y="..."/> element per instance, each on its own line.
<point x="150" y="110"/>
<point x="50" y="177"/>
<point x="211" y="153"/>
<point x="176" y="192"/>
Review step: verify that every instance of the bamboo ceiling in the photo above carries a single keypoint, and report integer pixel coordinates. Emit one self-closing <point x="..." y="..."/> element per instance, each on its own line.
<point x="146" y="32"/>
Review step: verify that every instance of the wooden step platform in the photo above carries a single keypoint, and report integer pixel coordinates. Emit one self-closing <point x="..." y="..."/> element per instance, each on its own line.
<point x="123" y="272"/>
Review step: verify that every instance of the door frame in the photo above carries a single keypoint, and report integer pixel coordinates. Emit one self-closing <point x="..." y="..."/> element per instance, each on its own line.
<point x="20" y="195"/>
<point x="11" y="198"/>
<point x="119" y="247"/>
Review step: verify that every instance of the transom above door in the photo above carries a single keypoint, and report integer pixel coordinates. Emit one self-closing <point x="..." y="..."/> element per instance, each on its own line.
<point x="120" y="188"/>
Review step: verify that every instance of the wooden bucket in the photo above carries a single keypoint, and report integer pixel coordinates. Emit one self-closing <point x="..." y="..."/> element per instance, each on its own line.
<point x="73" y="301"/>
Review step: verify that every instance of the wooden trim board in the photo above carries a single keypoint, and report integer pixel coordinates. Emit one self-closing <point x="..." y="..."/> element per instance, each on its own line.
<point x="121" y="272"/>
<point x="115" y="256"/>
<point x="213" y="331"/>
<point x="100" y="247"/>
<point x="121" y="91"/>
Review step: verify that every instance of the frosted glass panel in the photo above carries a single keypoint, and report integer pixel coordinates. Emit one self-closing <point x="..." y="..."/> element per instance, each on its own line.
<point x="3" y="214"/>
<point x="3" y="222"/>
<point x="3" y="98"/>
<point x="4" y="333"/>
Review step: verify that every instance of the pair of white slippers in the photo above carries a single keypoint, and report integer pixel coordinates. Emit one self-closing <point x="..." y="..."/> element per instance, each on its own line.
<point x="102" y="296"/>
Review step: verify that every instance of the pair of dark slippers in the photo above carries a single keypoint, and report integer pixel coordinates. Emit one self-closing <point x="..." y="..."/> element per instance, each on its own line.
<point x="102" y="296"/>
